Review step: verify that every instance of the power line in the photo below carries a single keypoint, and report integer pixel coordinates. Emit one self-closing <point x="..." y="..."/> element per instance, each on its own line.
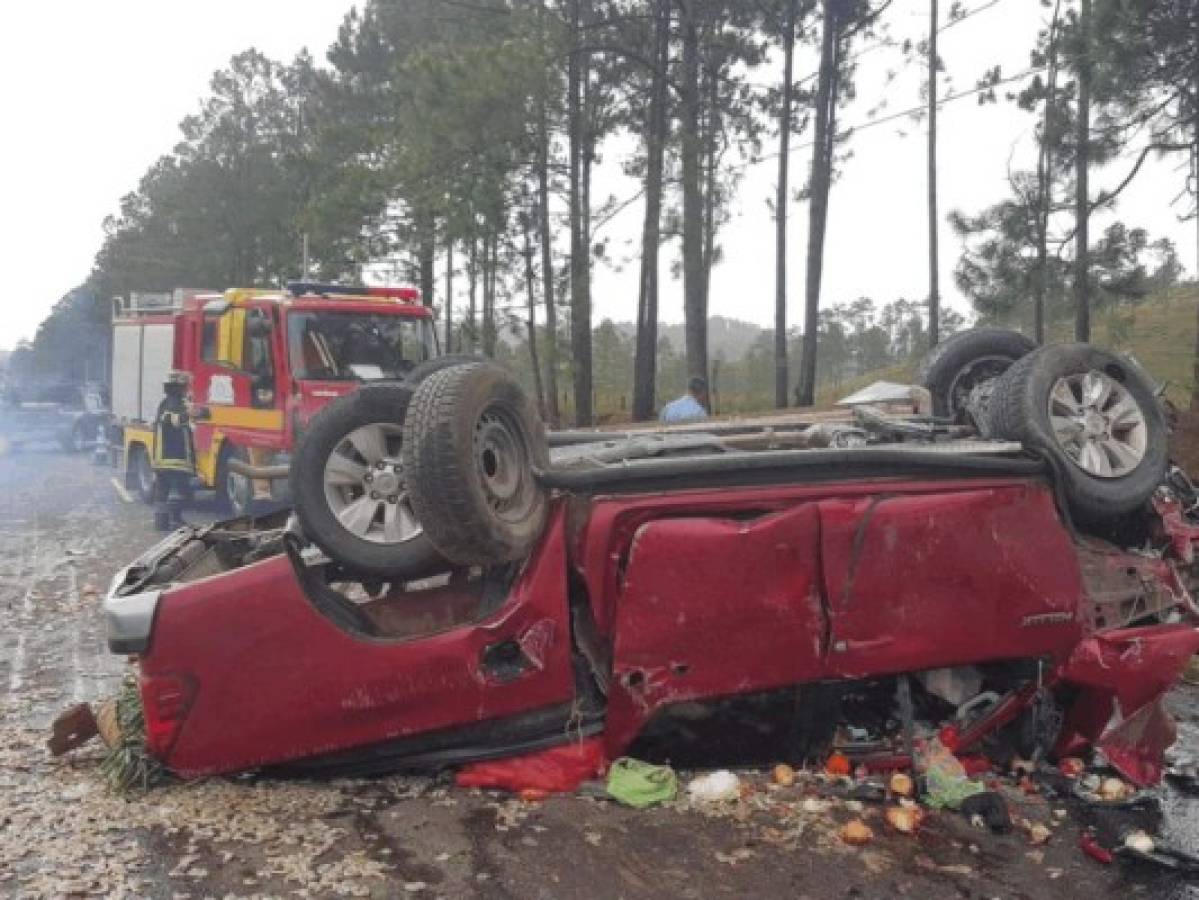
<point x="969" y="14"/>
<point x="853" y="129"/>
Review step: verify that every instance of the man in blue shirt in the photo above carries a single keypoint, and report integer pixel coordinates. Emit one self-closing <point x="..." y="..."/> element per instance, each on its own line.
<point x="690" y="407"/>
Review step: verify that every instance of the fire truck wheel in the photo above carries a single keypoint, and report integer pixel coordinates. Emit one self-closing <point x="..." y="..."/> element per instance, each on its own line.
<point x="963" y="361"/>
<point x="74" y="441"/>
<point x="471" y="441"/>
<point x="139" y="474"/>
<point x="1096" y="416"/>
<point x="350" y="488"/>
<point x="421" y="371"/>
<point x="234" y="492"/>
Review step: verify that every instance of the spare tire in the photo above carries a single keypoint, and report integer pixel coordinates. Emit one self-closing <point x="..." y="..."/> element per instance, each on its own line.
<point x="350" y="489"/>
<point x="963" y="361"/>
<point x="421" y="371"/>
<point x="1096" y="414"/>
<point x="471" y="441"/>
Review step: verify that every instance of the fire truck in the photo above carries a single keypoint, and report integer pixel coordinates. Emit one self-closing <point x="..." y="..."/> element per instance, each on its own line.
<point x="262" y="363"/>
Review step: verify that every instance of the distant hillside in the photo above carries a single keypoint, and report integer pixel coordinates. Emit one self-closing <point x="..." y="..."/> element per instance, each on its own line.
<point x="1160" y="333"/>
<point x="727" y="338"/>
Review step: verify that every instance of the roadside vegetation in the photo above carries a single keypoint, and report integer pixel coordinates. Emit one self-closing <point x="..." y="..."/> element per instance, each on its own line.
<point x="456" y="146"/>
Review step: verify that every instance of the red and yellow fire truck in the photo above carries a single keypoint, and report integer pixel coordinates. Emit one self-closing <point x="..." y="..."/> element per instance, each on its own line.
<point x="262" y="362"/>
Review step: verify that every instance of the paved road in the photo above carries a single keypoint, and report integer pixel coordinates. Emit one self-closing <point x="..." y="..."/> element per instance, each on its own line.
<point x="64" y="531"/>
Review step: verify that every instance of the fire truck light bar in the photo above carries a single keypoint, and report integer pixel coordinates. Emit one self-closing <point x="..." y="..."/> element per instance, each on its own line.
<point x="309" y="288"/>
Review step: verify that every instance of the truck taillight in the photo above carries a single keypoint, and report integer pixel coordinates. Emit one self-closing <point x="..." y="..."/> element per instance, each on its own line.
<point x="166" y="701"/>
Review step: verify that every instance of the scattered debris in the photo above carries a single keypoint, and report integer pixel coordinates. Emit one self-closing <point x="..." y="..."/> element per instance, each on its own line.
<point x="903" y="819"/>
<point x="1139" y="841"/>
<point x="715" y="787"/>
<point x="857" y="832"/>
<point x="838" y="764"/>
<point x="639" y="784"/>
<point x="74" y="728"/>
<point x="129" y="765"/>
<point x="1039" y="834"/>
<point x="1114" y="789"/>
<point x="989" y="808"/>
<point x="537" y="775"/>
<point x="948" y="785"/>
<point x="783" y="775"/>
<point x="734" y="857"/>
<point x="1071" y="766"/>
<point x="901" y="784"/>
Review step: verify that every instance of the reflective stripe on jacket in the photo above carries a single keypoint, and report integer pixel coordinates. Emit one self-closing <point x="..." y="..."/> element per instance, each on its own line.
<point x="173" y="448"/>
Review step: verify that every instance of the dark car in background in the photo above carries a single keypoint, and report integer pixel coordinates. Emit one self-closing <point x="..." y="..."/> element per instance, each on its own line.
<point x="71" y="415"/>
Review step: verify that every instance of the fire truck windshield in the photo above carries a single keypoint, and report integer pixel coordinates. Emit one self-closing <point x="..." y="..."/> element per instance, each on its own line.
<point x="342" y="346"/>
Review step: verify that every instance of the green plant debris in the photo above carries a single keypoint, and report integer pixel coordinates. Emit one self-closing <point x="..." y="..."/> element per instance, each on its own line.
<point x="129" y="766"/>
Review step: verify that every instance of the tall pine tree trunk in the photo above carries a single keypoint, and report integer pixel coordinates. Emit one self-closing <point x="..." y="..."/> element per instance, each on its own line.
<point x="473" y="287"/>
<point x="1045" y="179"/>
<point x="819" y="184"/>
<point x="645" y="365"/>
<point x="426" y="253"/>
<point x="580" y="239"/>
<point x="781" y="203"/>
<point x="1195" y="361"/>
<point x="713" y="125"/>
<point x="934" y="286"/>
<point x="695" y="313"/>
<point x="547" y="267"/>
<point x="1082" y="198"/>
<point x="531" y="320"/>
<point x="449" y="293"/>
<point x="489" y="278"/>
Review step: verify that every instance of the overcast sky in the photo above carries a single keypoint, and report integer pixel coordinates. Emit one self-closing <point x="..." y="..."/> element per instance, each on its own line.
<point x="92" y="94"/>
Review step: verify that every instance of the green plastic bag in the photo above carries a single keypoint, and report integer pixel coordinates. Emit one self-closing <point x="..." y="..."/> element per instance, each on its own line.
<point x="639" y="785"/>
<point x="945" y="777"/>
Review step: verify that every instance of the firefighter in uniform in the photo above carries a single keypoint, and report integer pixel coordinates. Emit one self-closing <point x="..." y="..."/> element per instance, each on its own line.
<point x="174" y="457"/>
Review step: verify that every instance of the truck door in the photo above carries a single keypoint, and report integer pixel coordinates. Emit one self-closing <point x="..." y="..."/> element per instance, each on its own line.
<point x="235" y="379"/>
<point x="711" y="605"/>
<point x="962" y="574"/>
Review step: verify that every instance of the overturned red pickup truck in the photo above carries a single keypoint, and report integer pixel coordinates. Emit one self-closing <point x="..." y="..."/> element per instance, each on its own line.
<point x="454" y="586"/>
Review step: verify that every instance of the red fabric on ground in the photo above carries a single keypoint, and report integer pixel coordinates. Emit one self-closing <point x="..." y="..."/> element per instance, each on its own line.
<point x="556" y="770"/>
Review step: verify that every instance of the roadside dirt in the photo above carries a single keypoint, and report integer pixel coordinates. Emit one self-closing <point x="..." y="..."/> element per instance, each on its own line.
<point x="64" y="531"/>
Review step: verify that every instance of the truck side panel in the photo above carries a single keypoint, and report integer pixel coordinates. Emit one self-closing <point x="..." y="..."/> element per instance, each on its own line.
<point x="158" y="348"/>
<point x="142" y="356"/>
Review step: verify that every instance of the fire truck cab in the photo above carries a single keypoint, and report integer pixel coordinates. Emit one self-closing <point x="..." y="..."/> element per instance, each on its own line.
<point x="262" y="363"/>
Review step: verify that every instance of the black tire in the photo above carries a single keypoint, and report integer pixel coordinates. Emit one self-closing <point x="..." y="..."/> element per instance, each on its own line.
<point x="421" y="371"/>
<point x="140" y="474"/>
<point x="963" y="360"/>
<point x="74" y="440"/>
<point x="471" y="440"/>
<point x="234" y="493"/>
<point x="1020" y="411"/>
<point x="415" y="557"/>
